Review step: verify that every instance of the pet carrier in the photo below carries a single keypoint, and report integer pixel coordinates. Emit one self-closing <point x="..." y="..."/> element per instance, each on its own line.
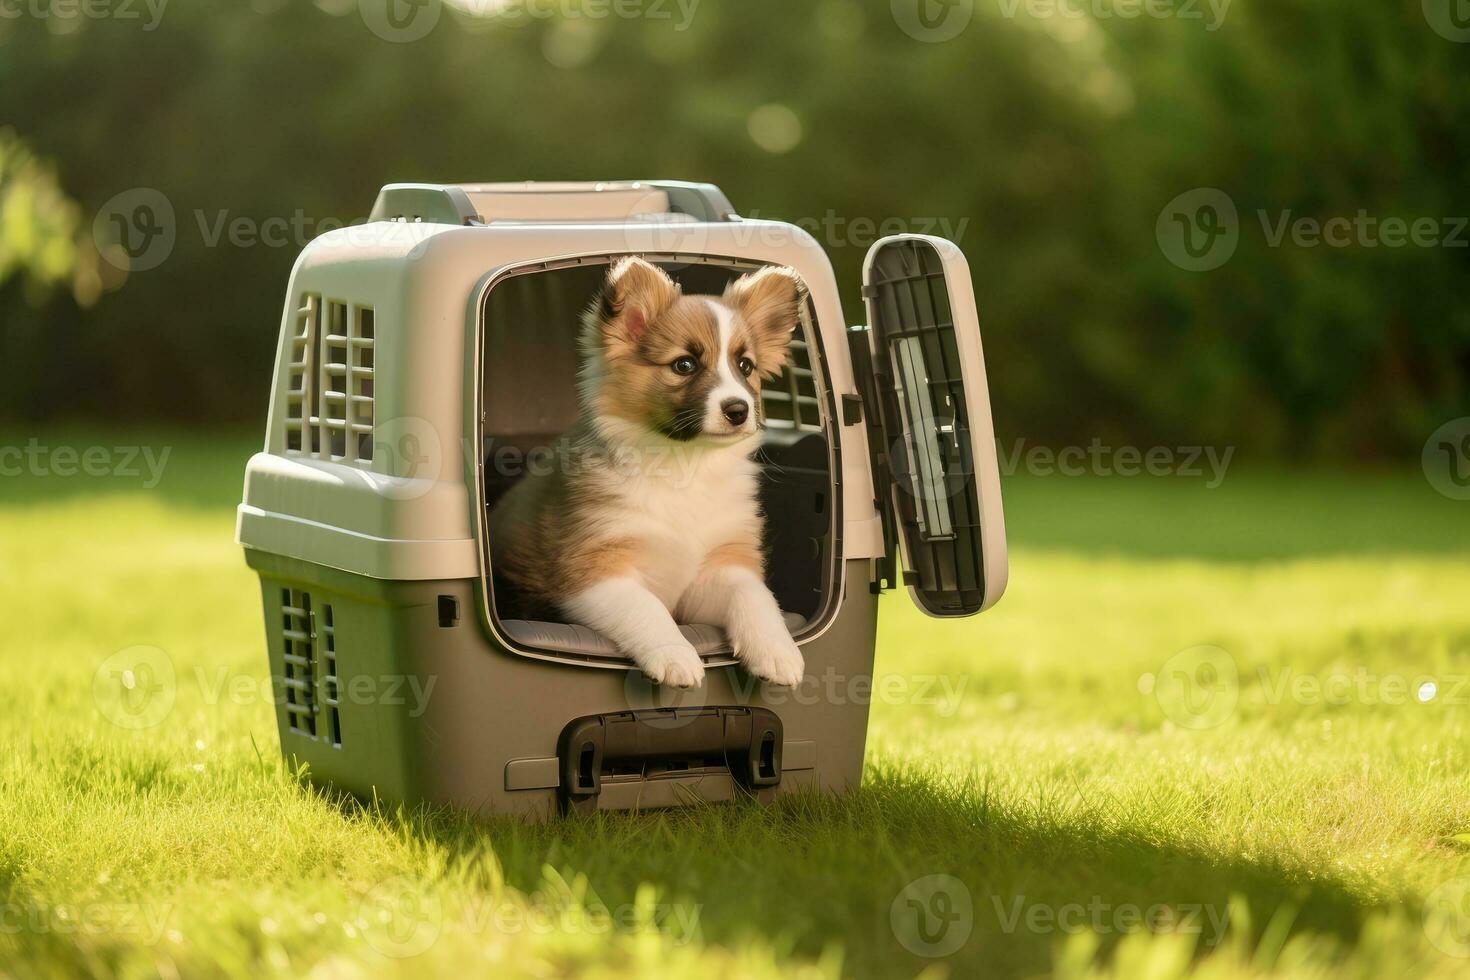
<point x="427" y="360"/>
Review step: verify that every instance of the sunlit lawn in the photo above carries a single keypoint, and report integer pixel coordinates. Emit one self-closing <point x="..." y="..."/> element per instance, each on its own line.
<point x="1045" y="756"/>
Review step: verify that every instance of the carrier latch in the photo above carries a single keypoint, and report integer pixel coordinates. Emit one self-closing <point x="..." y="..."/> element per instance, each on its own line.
<point x="868" y="375"/>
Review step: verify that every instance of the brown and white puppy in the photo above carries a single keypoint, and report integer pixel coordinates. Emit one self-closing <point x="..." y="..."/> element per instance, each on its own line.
<point x="651" y="519"/>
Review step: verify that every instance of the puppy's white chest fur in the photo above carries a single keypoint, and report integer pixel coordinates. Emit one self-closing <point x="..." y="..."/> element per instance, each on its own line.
<point x="705" y="500"/>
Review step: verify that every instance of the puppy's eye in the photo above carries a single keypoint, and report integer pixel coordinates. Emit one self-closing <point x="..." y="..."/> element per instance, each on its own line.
<point x="746" y="365"/>
<point x="685" y="365"/>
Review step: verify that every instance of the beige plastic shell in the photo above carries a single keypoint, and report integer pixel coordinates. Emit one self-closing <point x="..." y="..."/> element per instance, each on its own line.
<point x="408" y="513"/>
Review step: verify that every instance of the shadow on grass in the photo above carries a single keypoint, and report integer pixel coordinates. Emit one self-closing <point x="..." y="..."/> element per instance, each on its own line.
<point x="816" y="870"/>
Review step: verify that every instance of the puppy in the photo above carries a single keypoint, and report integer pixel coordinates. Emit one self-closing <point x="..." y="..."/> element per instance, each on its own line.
<point x="650" y="517"/>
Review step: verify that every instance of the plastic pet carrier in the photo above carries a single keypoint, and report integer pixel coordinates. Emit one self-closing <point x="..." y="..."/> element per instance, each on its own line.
<point x="427" y="361"/>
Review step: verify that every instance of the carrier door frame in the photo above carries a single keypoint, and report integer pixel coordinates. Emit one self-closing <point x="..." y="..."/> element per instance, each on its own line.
<point x="836" y="575"/>
<point x="937" y="452"/>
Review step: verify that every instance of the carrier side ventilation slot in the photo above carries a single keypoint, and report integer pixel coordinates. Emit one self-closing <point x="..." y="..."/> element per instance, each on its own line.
<point x="327" y="686"/>
<point x="789" y="400"/>
<point x="301" y="371"/>
<point x="310" y="668"/>
<point x="329" y="398"/>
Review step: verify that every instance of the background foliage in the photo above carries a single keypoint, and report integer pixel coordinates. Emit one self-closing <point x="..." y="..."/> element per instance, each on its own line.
<point x="1052" y="142"/>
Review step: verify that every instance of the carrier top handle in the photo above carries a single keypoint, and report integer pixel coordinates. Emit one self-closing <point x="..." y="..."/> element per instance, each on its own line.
<point x="557" y="201"/>
<point x="746" y="740"/>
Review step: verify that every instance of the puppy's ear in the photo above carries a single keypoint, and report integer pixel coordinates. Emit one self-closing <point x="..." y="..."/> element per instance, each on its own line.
<point x="634" y="295"/>
<point x="769" y="300"/>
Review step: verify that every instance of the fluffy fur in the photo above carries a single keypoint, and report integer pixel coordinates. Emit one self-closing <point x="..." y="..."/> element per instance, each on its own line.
<point x="651" y="518"/>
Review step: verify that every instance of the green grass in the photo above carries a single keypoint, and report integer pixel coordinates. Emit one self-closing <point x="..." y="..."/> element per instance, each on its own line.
<point x="1059" y="773"/>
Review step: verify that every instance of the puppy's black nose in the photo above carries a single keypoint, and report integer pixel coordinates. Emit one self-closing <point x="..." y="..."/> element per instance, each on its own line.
<point x="735" y="410"/>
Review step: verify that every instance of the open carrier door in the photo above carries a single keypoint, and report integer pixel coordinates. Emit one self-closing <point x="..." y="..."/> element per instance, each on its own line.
<point x="929" y="428"/>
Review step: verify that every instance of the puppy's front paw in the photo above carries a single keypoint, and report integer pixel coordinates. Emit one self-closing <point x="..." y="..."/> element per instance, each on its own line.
<point x="674" y="665"/>
<point x="772" y="657"/>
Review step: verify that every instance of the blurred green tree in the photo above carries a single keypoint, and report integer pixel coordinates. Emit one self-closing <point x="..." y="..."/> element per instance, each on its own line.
<point x="41" y="241"/>
<point x="1046" y="142"/>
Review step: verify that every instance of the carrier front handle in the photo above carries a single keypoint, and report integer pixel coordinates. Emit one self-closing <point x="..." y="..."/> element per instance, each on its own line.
<point x="747" y="741"/>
